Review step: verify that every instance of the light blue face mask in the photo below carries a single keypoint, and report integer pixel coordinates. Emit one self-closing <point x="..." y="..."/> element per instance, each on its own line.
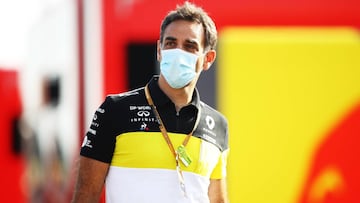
<point x="178" y="67"/>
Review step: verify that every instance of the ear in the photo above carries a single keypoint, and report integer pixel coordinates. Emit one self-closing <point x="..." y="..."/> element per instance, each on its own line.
<point x="209" y="59"/>
<point x="158" y="51"/>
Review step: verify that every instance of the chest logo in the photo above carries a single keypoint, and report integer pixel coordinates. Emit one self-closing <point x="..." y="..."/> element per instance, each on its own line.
<point x="143" y="113"/>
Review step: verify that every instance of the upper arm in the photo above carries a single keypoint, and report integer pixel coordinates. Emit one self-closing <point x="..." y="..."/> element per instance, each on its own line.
<point x="90" y="180"/>
<point x="218" y="185"/>
<point x="218" y="191"/>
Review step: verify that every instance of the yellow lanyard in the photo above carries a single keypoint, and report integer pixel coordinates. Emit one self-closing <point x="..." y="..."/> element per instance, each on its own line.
<point x="162" y="127"/>
<point x="181" y="152"/>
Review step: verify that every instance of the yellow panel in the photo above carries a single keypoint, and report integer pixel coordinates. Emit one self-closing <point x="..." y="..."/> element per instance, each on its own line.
<point x="282" y="89"/>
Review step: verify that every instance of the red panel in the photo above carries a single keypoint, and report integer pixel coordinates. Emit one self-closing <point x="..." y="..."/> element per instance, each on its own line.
<point x="139" y="20"/>
<point x="13" y="165"/>
<point x="115" y="73"/>
<point x="340" y="150"/>
<point x="143" y="19"/>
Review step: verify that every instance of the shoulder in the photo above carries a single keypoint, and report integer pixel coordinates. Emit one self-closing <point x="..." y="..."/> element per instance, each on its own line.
<point x="213" y="126"/>
<point x="124" y="96"/>
<point x="116" y="104"/>
<point x="210" y="111"/>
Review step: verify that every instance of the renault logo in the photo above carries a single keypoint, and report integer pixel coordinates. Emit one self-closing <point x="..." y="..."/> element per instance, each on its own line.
<point x="210" y="122"/>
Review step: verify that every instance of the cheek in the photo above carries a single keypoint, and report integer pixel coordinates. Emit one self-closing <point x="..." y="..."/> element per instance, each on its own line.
<point x="200" y="64"/>
<point x="158" y="56"/>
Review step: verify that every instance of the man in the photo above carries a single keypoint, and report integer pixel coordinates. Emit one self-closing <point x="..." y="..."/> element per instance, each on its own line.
<point x="160" y="143"/>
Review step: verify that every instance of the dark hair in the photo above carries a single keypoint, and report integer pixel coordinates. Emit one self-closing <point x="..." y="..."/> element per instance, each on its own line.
<point x="191" y="12"/>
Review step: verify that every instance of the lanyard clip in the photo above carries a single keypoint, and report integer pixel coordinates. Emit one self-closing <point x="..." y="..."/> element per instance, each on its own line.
<point x="180" y="176"/>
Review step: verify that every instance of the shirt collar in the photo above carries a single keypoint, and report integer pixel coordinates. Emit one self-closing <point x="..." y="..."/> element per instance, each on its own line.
<point x="160" y="98"/>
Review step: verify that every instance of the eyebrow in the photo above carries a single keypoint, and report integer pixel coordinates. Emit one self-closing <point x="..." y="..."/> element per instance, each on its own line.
<point x="170" y="38"/>
<point x="194" y="42"/>
<point x="189" y="41"/>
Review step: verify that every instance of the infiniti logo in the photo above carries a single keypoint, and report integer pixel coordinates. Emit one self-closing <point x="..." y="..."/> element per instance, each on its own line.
<point x="143" y="113"/>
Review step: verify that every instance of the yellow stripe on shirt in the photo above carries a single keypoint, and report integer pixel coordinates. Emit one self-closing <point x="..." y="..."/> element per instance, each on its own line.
<point x="149" y="150"/>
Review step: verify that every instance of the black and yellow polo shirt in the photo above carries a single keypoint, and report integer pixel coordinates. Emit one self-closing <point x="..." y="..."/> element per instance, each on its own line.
<point x="125" y="133"/>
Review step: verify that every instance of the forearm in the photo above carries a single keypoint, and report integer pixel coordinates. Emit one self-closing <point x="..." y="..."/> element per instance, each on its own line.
<point x="84" y="193"/>
<point x="90" y="181"/>
<point x="218" y="191"/>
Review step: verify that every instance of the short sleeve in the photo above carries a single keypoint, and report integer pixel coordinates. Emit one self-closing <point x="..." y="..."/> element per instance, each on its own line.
<point x="99" y="141"/>
<point x="219" y="171"/>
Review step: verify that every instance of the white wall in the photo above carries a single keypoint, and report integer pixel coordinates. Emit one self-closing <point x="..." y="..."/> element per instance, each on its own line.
<point x="16" y="18"/>
<point x="39" y="38"/>
<point x="93" y="60"/>
<point x="52" y="50"/>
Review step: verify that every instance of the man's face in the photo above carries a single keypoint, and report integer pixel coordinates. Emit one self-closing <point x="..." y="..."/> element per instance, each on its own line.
<point x="185" y="35"/>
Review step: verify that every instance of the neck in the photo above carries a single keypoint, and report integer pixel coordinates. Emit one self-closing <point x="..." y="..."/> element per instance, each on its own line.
<point x="180" y="97"/>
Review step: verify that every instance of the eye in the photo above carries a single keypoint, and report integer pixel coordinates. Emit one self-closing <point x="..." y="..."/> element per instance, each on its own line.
<point x="170" y="44"/>
<point x="191" y="47"/>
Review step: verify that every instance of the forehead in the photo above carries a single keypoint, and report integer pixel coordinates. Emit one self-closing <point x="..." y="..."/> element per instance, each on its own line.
<point x="185" y="30"/>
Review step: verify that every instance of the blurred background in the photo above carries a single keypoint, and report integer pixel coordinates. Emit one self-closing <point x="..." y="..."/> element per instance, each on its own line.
<point x="287" y="77"/>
